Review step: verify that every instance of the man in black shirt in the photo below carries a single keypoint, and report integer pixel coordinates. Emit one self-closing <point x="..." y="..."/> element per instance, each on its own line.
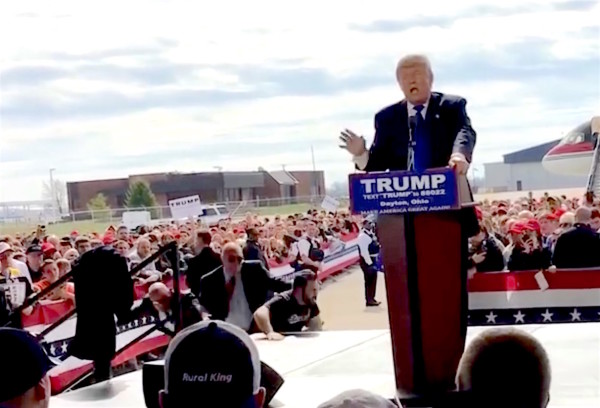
<point x="292" y="310"/>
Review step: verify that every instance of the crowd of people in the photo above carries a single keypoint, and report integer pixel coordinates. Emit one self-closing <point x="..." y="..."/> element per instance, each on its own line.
<point x="30" y="262"/>
<point x="525" y="234"/>
<point x="536" y="234"/>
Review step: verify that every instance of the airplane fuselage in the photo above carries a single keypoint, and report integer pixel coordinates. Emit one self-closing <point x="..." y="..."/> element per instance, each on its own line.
<point x="573" y="155"/>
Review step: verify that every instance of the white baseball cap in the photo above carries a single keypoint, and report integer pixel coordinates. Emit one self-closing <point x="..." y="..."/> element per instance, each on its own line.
<point x="4" y="247"/>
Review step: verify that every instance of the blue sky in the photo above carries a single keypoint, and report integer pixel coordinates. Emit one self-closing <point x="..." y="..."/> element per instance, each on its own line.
<point x="107" y="89"/>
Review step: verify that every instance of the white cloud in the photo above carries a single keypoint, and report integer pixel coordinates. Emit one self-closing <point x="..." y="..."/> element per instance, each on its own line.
<point x="174" y="50"/>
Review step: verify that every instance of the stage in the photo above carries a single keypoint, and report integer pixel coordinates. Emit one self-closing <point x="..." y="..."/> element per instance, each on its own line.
<point x="318" y="366"/>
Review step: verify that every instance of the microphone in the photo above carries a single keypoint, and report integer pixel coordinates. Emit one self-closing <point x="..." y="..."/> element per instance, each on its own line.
<point x="412" y="125"/>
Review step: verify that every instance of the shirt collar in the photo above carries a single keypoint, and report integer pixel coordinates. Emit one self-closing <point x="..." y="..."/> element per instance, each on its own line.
<point x="229" y="276"/>
<point x="411" y="108"/>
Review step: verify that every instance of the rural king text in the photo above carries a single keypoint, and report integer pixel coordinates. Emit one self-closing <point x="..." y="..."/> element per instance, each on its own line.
<point x="404" y="186"/>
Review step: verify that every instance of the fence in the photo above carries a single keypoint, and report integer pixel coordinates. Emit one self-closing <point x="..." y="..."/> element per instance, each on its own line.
<point x="262" y="206"/>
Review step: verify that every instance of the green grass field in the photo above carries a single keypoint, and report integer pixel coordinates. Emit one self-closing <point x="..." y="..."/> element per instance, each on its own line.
<point x="65" y="228"/>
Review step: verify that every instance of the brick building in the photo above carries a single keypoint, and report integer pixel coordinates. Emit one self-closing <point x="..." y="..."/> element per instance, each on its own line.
<point x="211" y="187"/>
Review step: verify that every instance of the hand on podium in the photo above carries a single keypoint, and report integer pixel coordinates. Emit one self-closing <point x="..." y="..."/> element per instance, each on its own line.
<point x="352" y="142"/>
<point x="459" y="163"/>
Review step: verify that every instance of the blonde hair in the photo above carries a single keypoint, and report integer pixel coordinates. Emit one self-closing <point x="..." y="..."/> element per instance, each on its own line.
<point x="414" y="59"/>
<point x="232" y="247"/>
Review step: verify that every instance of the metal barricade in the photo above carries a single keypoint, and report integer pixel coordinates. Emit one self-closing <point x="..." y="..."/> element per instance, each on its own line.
<point x="172" y="254"/>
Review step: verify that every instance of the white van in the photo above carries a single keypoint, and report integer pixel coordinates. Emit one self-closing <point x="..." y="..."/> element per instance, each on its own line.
<point x="213" y="214"/>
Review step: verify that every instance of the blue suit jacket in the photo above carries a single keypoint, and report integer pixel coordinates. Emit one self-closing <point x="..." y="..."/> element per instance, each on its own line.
<point x="449" y="129"/>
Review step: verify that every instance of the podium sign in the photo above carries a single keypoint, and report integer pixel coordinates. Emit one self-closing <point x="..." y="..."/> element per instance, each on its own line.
<point x="401" y="192"/>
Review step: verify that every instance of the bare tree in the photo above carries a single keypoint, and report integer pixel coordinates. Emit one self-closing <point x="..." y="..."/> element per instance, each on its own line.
<point x="57" y="196"/>
<point x="338" y="189"/>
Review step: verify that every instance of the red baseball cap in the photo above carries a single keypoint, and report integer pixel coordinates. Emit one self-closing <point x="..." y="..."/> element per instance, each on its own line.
<point x="533" y="225"/>
<point x="108" y="239"/>
<point x="548" y="215"/>
<point x="47" y="247"/>
<point x="517" y="228"/>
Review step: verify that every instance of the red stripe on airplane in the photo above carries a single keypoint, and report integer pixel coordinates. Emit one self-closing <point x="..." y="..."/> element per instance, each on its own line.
<point x="571" y="148"/>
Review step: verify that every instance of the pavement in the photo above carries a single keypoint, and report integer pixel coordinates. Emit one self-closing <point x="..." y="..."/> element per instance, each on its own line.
<point x="342" y="303"/>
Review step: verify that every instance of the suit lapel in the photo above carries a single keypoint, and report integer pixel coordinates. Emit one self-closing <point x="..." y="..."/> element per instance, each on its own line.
<point x="224" y="295"/>
<point x="248" y="279"/>
<point x="403" y="118"/>
<point x="433" y="113"/>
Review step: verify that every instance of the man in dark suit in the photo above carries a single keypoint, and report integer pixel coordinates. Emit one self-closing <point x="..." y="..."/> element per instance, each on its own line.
<point x="252" y="250"/>
<point x="103" y="289"/>
<point x="235" y="290"/>
<point x="441" y="136"/>
<point x="204" y="262"/>
<point x="160" y="303"/>
<point x="578" y="247"/>
<point x="443" y="132"/>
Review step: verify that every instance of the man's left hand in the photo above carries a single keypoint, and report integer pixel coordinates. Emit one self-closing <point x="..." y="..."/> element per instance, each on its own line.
<point x="459" y="163"/>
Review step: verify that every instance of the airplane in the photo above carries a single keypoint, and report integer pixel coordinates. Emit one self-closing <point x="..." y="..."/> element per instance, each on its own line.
<point x="573" y="154"/>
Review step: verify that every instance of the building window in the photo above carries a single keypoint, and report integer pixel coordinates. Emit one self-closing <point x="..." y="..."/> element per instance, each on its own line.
<point x="519" y="185"/>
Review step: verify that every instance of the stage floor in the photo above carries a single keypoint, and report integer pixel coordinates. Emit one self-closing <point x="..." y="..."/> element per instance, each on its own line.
<point x="318" y="366"/>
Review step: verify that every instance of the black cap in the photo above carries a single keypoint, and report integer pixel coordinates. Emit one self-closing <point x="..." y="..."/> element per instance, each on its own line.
<point x="33" y="248"/>
<point x="24" y="360"/>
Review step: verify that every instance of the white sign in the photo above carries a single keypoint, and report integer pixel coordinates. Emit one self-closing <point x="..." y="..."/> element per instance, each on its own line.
<point x="133" y="219"/>
<point x="330" y="204"/>
<point x="186" y="207"/>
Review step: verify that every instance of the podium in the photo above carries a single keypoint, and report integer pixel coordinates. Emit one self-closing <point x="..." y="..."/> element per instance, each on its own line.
<point x="421" y="229"/>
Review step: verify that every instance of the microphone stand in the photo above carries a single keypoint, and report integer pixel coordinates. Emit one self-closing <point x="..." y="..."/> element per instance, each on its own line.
<point x="412" y="124"/>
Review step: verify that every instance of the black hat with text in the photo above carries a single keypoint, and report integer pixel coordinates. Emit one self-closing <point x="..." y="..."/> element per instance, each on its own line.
<point x="24" y="363"/>
<point x="212" y="363"/>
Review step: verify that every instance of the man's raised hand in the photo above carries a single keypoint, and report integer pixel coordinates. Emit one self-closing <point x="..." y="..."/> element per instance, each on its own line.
<point x="352" y="142"/>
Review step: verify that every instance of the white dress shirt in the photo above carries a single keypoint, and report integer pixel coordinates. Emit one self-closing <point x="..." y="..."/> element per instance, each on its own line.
<point x="364" y="240"/>
<point x="362" y="159"/>
<point x="304" y="247"/>
<point x="240" y="314"/>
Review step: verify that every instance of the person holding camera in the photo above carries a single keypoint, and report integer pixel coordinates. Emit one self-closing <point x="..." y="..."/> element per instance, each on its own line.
<point x="528" y="252"/>
<point x="485" y="254"/>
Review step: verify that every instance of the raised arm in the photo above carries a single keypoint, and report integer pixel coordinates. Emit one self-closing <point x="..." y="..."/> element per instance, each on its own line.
<point x="373" y="159"/>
